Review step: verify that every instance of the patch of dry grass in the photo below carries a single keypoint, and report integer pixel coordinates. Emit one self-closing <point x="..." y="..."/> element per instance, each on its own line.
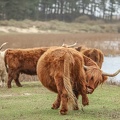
<point x="103" y="41"/>
<point x="89" y="26"/>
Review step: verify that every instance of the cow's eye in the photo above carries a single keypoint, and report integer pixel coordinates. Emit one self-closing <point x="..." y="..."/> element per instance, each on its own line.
<point x="92" y="78"/>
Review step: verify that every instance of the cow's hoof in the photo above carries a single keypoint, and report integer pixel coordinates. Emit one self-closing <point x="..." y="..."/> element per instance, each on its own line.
<point x="55" y="106"/>
<point x="63" y="112"/>
<point x="76" y="108"/>
<point x="19" y="85"/>
<point x="9" y="86"/>
<point x="85" y="103"/>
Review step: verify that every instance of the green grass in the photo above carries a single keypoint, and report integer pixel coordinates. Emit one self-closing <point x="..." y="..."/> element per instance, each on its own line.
<point x="33" y="102"/>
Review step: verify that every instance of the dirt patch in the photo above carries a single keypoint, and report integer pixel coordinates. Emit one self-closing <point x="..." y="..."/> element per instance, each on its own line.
<point x="33" y="29"/>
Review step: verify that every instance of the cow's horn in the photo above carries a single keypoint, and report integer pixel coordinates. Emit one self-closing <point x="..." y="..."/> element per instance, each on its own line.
<point x="85" y="67"/>
<point x="111" y="75"/>
<point x="3" y="45"/>
<point x="65" y="45"/>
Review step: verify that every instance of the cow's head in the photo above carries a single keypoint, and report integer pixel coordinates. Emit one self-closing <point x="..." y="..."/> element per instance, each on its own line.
<point x="95" y="77"/>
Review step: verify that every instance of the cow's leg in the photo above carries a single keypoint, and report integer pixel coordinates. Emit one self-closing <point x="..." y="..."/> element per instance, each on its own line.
<point x="64" y="101"/>
<point x="56" y="104"/>
<point x="18" y="83"/>
<point x="4" y="78"/>
<point x="85" y="100"/>
<point x="10" y="77"/>
<point x="16" y="79"/>
<point x="59" y="84"/>
<point x="9" y="80"/>
<point x="77" y="95"/>
<point x="2" y="81"/>
<point x="12" y="74"/>
<point x="62" y="95"/>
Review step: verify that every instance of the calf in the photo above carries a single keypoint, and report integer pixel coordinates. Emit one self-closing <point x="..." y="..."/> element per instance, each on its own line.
<point x="21" y="61"/>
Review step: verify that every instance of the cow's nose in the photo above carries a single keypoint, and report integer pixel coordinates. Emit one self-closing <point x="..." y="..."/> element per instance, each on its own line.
<point x="89" y="90"/>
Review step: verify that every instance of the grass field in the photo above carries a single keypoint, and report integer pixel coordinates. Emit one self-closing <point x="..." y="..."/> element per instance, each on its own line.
<point x="33" y="102"/>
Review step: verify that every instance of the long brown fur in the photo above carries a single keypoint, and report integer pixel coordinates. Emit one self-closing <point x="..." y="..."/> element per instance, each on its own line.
<point x="93" y="73"/>
<point x="66" y="78"/>
<point x="59" y="70"/>
<point x="95" y="54"/>
<point x="18" y="61"/>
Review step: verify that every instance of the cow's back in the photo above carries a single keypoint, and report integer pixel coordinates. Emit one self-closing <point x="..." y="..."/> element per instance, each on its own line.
<point x="52" y="63"/>
<point x="23" y="60"/>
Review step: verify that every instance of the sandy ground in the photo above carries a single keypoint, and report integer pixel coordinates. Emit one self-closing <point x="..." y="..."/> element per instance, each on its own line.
<point x="9" y="29"/>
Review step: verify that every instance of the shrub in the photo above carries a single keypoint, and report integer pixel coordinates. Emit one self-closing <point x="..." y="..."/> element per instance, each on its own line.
<point x="82" y="19"/>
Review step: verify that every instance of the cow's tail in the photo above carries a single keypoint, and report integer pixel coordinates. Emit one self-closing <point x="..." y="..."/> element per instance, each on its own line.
<point x="67" y="80"/>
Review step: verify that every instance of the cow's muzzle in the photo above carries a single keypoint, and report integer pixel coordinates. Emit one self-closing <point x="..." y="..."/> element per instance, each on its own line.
<point x="90" y="90"/>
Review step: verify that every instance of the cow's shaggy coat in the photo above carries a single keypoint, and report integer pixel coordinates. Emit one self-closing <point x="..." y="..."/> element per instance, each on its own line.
<point x="21" y="61"/>
<point x="93" y="53"/>
<point x="70" y="74"/>
<point x="61" y="70"/>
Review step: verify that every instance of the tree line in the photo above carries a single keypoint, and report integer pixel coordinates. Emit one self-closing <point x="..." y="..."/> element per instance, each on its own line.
<point x="64" y="10"/>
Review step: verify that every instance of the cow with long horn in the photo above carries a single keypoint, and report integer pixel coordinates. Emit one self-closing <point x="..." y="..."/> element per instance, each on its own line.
<point x="94" y="75"/>
<point x="69" y="73"/>
<point x="61" y="70"/>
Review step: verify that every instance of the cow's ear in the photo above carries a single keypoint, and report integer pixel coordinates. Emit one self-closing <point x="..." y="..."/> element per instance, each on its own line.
<point x="104" y="78"/>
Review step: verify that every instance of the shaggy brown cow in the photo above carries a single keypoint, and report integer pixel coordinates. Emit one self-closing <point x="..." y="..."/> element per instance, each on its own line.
<point x="54" y="69"/>
<point x="21" y="61"/>
<point x="93" y="53"/>
<point x="61" y="70"/>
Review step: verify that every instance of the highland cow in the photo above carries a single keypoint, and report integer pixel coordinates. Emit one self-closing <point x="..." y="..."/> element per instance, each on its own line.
<point x="63" y="71"/>
<point x="18" y="61"/>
